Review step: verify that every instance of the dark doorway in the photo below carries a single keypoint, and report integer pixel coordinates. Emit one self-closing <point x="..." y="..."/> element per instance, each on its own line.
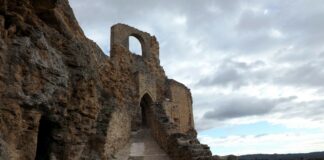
<point x="146" y="102"/>
<point x="44" y="139"/>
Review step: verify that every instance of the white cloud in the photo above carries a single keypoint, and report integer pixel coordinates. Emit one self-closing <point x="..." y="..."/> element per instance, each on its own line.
<point x="268" y="143"/>
<point x="180" y="20"/>
<point x="276" y="33"/>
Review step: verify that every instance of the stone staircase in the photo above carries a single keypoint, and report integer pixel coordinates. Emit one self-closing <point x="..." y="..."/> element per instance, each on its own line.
<point x="142" y="146"/>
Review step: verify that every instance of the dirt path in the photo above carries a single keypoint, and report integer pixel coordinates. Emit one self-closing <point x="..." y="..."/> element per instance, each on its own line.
<point x="142" y="146"/>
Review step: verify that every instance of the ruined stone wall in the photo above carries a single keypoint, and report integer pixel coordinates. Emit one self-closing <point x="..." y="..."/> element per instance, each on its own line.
<point x="120" y="34"/>
<point x="119" y="130"/>
<point x="179" y="106"/>
<point x="123" y="80"/>
<point x="179" y="146"/>
<point x="148" y="75"/>
<point x="58" y="87"/>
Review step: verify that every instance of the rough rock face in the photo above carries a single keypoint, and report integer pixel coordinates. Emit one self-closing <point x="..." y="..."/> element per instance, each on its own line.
<point x="62" y="98"/>
<point x="48" y="76"/>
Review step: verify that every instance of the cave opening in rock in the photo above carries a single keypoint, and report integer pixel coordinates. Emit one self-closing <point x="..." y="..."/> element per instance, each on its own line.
<point x="44" y="139"/>
<point x="146" y="102"/>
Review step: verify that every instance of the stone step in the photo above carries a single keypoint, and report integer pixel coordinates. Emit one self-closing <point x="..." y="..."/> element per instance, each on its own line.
<point x="142" y="146"/>
<point x="149" y="157"/>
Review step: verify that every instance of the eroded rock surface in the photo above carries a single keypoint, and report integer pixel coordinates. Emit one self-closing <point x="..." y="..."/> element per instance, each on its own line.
<point x="62" y="98"/>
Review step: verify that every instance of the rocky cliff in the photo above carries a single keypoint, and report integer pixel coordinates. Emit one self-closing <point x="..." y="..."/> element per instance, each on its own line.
<point x="62" y="98"/>
<point x="48" y="73"/>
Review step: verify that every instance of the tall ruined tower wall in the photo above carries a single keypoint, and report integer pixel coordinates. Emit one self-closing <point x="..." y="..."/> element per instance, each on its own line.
<point x="150" y="77"/>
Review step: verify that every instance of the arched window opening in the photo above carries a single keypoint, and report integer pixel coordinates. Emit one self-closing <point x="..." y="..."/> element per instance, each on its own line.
<point x="44" y="139"/>
<point x="135" y="45"/>
<point x="145" y="103"/>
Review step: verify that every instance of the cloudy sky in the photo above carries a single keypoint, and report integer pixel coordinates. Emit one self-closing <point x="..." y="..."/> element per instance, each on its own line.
<point x="255" y="67"/>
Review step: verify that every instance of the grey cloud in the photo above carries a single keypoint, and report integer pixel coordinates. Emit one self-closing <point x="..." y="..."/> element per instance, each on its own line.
<point x="225" y="77"/>
<point x="294" y="56"/>
<point x="251" y="21"/>
<point x="303" y="70"/>
<point x="312" y="110"/>
<point x="221" y="24"/>
<point x="306" y="74"/>
<point x="243" y="107"/>
<point x="204" y="124"/>
<point x="299" y="27"/>
<point x="234" y="74"/>
<point x="224" y="108"/>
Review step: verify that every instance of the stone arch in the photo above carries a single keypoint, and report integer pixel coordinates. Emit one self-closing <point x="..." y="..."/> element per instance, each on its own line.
<point x="135" y="46"/>
<point x="120" y="34"/>
<point x="146" y="91"/>
<point x="140" y="40"/>
<point x="145" y="102"/>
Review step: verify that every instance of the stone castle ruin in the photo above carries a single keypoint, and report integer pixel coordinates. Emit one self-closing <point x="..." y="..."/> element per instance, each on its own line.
<point x="62" y="98"/>
<point x="174" y="97"/>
